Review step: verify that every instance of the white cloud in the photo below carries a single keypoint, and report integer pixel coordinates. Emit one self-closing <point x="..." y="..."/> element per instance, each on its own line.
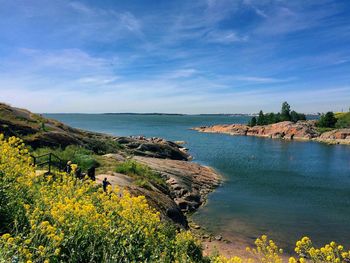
<point x="82" y="8"/>
<point x="256" y="79"/>
<point x="181" y="73"/>
<point x="224" y="37"/>
<point x="129" y="21"/>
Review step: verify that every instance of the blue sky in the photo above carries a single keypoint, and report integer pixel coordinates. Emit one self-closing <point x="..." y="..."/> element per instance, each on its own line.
<point x="214" y="56"/>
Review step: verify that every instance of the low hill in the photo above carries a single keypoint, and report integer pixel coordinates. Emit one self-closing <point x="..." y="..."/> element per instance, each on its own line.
<point x="38" y="131"/>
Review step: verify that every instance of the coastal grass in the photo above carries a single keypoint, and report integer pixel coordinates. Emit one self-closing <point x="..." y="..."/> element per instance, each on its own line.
<point x="106" y="164"/>
<point x="81" y="156"/>
<point x="144" y="175"/>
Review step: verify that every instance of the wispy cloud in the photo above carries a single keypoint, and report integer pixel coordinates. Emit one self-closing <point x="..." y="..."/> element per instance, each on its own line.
<point x="81" y="8"/>
<point x="256" y="79"/>
<point x="189" y="56"/>
<point x="181" y="73"/>
<point x="224" y="37"/>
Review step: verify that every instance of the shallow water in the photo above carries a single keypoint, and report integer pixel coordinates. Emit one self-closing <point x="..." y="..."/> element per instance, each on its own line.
<point x="285" y="189"/>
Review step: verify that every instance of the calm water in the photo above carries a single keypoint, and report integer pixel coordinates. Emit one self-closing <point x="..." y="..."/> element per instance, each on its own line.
<point x="280" y="188"/>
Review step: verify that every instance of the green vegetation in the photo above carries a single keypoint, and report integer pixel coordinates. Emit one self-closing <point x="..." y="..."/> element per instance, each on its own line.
<point x="82" y="157"/>
<point x="285" y="115"/>
<point x="144" y="175"/>
<point x="343" y="120"/>
<point x="330" y="121"/>
<point x="103" y="145"/>
<point x="327" y="120"/>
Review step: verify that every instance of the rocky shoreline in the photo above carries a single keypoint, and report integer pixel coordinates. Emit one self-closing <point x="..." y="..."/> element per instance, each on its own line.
<point x="187" y="183"/>
<point x="301" y="130"/>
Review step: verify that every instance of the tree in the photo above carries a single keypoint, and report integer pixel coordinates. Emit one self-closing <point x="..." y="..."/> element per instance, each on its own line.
<point x="327" y="120"/>
<point x="261" y="118"/>
<point x="252" y="122"/>
<point x="302" y="117"/>
<point x="285" y="112"/>
<point x="271" y="118"/>
<point x="294" y="116"/>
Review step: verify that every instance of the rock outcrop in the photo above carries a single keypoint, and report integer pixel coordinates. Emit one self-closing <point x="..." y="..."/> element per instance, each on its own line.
<point x="301" y="130"/>
<point x="188" y="185"/>
<point x="153" y="147"/>
<point x="340" y="136"/>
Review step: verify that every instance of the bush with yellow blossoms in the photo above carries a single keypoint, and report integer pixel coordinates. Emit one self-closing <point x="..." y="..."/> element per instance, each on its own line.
<point x="62" y="219"/>
<point x="331" y="252"/>
<point x="265" y="251"/>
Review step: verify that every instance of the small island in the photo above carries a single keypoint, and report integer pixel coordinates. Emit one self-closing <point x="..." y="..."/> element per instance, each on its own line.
<point x="330" y="128"/>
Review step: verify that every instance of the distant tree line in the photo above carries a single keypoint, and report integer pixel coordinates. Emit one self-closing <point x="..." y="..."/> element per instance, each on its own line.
<point x="285" y="115"/>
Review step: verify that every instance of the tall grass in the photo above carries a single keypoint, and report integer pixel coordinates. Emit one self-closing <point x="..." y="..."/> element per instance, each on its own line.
<point x="84" y="158"/>
<point x="144" y="175"/>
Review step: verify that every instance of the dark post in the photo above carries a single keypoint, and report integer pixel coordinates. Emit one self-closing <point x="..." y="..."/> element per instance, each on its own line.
<point x="49" y="163"/>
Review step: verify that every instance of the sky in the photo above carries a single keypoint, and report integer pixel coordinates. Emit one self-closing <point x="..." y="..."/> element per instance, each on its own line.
<point x="190" y="56"/>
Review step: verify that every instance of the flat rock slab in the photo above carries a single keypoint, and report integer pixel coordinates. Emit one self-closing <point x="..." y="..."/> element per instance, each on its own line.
<point x="115" y="179"/>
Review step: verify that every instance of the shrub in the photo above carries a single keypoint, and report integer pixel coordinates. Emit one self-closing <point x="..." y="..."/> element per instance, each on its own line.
<point x="343" y="120"/>
<point x="331" y="252"/>
<point x="143" y="174"/>
<point x="267" y="251"/>
<point x="327" y="120"/>
<point x="14" y="164"/>
<point x="77" y="154"/>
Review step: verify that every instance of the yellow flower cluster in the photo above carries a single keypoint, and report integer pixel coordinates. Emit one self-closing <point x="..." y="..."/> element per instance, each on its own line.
<point x="222" y="259"/>
<point x="331" y="252"/>
<point x="66" y="219"/>
<point x="265" y="251"/>
<point x="14" y="159"/>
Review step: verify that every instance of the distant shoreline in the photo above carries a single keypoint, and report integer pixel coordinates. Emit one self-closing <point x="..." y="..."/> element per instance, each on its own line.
<point x="286" y="130"/>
